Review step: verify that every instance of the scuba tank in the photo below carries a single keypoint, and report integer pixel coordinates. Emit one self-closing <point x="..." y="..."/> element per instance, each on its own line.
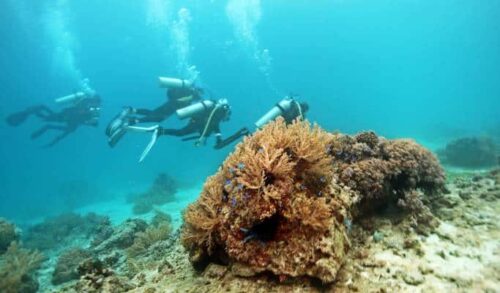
<point x="194" y="109"/>
<point x="279" y="109"/>
<point x="71" y="98"/>
<point x="168" y="82"/>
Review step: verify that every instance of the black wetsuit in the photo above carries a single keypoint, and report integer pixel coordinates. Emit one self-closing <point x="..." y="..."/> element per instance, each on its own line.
<point x="175" y="101"/>
<point x="199" y="122"/>
<point x="295" y="112"/>
<point x="85" y="112"/>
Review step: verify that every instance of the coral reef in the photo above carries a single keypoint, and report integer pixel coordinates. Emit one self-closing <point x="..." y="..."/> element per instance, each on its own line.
<point x="7" y="234"/>
<point x="283" y="201"/>
<point x="159" y="230"/>
<point x="67" y="265"/>
<point x="162" y="191"/>
<point x="56" y="231"/>
<point x="470" y="152"/>
<point x="17" y="267"/>
<point x="378" y="169"/>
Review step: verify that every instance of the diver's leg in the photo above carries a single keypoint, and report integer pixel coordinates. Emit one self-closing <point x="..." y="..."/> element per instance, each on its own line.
<point x="18" y="118"/>
<point x="58" y="138"/>
<point x="157" y="115"/>
<point x="188" y="129"/>
<point x="42" y="111"/>
<point x="42" y="130"/>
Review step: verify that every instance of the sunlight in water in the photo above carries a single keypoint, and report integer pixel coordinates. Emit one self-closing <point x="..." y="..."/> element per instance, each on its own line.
<point x="62" y="41"/>
<point x="181" y="45"/>
<point x="158" y="13"/>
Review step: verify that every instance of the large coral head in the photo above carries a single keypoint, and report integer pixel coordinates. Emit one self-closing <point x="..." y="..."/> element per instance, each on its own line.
<point x="270" y="200"/>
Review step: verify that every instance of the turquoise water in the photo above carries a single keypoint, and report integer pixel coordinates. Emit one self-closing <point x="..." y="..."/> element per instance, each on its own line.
<point x="421" y="69"/>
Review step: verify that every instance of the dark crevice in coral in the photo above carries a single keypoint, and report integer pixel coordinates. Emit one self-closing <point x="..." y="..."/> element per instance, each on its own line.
<point x="266" y="230"/>
<point x="269" y="178"/>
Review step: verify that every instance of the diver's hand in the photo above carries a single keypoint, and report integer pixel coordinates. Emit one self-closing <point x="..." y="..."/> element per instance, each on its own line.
<point x="244" y="131"/>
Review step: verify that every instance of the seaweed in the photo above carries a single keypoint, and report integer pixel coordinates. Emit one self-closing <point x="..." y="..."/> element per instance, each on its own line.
<point x="17" y="267"/>
<point x="7" y="234"/>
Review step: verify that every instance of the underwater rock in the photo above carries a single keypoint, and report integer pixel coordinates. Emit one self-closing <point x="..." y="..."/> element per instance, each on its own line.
<point x="7" y="234"/>
<point x="122" y="237"/>
<point x="470" y="152"/>
<point x="67" y="265"/>
<point x="17" y="269"/>
<point x="162" y="191"/>
<point x="282" y="201"/>
<point x="59" y="230"/>
<point x="97" y="277"/>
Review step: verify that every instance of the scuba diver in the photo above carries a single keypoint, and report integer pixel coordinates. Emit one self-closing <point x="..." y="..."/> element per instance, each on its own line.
<point x="289" y="108"/>
<point x="204" y="120"/>
<point x="181" y="93"/>
<point x="85" y="110"/>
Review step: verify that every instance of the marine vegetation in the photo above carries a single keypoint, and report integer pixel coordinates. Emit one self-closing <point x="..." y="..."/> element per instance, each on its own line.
<point x="161" y="192"/>
<point x="67" y="265"/>
<point x="17" y="267"/>
<point x="56" y="231"/>
<point x="159" y="230"/>
<point x="7" y="234"/>
<point x="283" y="201"/>
<point x="471" y="152"/>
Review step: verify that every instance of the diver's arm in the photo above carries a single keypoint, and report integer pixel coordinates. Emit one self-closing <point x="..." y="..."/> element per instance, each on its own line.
<point x="220" y="143"/>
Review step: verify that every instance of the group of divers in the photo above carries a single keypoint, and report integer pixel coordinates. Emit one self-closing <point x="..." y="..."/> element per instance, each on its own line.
<point x="184" y="98"/>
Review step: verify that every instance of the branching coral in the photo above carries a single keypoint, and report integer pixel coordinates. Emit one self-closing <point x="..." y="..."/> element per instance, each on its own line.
<point x="270" y="206"/>
<point x="152" y="235"/>
<point x="283" y="200"/>
<point x="17" y="266"/>
<point x="7" y="234"/>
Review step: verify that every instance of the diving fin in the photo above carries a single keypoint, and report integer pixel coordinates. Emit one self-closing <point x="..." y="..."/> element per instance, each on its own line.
<point x="118" y="121"/>
<point x="18" y="118"/>
<point x="148" y="148"/>
<point x="116" y="136"/>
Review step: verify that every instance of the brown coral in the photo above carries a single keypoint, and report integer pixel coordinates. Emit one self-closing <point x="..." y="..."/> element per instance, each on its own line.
<point x="17" y="266"/>
<point x="7" y="234"/>
<point x="270" y="206"/>
<point x="67" y="265"/>
<point x="283" y="200"/>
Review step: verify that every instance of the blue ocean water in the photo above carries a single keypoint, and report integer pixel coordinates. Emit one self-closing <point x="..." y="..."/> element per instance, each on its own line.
<point x="421" y="69"/>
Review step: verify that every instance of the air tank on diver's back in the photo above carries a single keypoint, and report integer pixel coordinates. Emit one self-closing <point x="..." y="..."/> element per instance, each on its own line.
<point x="191" y="110"/>
<point x="169" y="82"/>
<point x="280" y="108"/>
<point x="71" y="98"/>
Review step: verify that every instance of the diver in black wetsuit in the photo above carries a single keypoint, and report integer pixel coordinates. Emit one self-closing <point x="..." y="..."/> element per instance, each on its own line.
<point x="288" y="108"/>
<point x="177" y="98"/>
<point x="85" y="111"/>
<point x="205" y="123"/>
<point x="204" y="120"/>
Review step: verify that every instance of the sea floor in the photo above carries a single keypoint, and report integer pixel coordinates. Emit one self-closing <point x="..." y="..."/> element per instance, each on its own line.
<point x="387" y="255"/>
